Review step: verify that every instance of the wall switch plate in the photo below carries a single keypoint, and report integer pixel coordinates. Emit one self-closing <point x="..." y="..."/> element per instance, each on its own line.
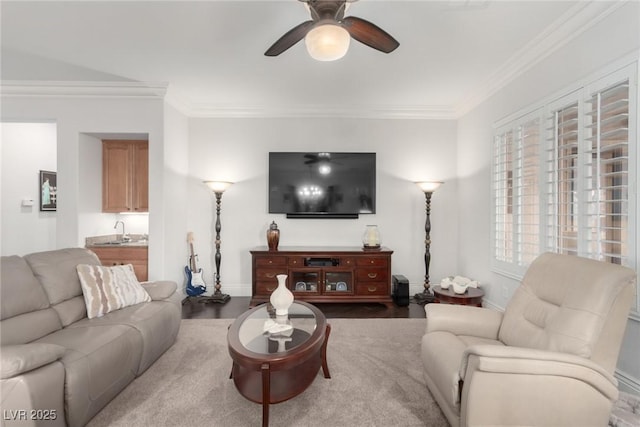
<point x="27" y="202"/>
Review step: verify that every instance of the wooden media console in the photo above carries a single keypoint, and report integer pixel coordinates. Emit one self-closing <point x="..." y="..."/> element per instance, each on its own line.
<point x="323" y="274"/>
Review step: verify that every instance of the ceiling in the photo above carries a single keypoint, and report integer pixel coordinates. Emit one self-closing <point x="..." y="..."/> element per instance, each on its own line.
<point x="452" y="54"/>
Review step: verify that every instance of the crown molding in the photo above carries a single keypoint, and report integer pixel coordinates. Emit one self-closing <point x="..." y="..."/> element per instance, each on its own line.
<point x="568" y="26"/>
<point x="77" y="89"/>
<point x="321" y="111"/>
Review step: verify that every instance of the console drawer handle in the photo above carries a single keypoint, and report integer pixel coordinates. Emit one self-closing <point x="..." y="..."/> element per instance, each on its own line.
<point x="270" y="275"/>
<point x="372" y="275"/>
<point x="271" y="289"/>
<point x="372" y="288"/>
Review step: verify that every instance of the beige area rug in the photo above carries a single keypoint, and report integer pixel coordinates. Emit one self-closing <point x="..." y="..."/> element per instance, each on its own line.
<point x="376" y="381"/>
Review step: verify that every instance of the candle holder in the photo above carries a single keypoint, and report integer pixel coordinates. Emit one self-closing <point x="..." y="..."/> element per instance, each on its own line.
<point x="371" y="238"/>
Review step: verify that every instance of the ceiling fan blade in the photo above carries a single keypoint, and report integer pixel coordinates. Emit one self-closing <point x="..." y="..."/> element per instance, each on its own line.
<point x="370" y="34"/>
<point x="292" y="37"/>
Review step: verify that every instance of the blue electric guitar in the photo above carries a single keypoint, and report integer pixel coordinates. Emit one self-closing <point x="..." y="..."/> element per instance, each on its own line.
<point x="195" y="284"/>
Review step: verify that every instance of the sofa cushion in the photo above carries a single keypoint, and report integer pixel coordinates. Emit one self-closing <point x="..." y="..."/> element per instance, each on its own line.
<point x="18" y="359"/>
<point x="157" y="323"/>
<point x="161" y="289"/>
<point x="56" y="271"/>
<point x="99" y="363"/>
<point x="20" y="291"/>
<point x="107" y="289"/>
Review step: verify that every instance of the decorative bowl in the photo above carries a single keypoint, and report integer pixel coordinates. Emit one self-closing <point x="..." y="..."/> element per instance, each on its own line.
<point x="459" y="289"/>
<point x="445" y="283"/>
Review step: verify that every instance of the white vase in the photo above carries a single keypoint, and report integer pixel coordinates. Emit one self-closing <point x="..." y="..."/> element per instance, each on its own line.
<point x="282" y="298"/>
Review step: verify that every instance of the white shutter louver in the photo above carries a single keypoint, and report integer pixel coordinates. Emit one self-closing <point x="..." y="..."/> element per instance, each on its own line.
<point x="562" y="175"/>
<point x="502" y="190"/>
<point x="527" y="192"/>
<point x="607" y="184"/>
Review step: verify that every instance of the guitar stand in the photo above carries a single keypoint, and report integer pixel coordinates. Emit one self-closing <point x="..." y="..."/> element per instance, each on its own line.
<point x="216" y="297"/>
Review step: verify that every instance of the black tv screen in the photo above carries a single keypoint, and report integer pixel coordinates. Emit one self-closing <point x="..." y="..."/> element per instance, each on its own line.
<point x="322" y="184"/>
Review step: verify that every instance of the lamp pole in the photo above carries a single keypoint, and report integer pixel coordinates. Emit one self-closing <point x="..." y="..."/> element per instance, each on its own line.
<point x="218" y="187"/>
<point x="426" y="296"/>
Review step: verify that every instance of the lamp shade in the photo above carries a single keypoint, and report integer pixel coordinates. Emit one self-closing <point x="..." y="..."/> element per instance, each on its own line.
<point x="218" y="186"/>
<point x="327" y="42"/>
<point x="429" y="186"/>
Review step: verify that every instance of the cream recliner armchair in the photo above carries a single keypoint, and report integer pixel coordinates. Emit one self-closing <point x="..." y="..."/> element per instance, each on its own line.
<point x="548" y="360"/>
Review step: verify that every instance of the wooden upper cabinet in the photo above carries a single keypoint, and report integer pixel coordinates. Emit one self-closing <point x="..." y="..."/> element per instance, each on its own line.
<point x="141" y="177"/>
<point x="125" y="176"/>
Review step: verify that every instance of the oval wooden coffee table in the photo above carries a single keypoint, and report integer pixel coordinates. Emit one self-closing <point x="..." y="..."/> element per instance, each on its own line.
<point x="274" y="367"/>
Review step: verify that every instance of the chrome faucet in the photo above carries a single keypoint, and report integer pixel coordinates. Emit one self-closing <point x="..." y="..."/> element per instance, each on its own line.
<point x="116" y="226"/>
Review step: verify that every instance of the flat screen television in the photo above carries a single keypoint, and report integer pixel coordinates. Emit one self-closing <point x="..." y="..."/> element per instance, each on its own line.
<point x="322" y="185"/>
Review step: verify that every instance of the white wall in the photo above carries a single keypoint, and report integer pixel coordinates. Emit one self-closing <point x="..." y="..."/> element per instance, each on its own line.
<point x="613" y="38"/>
<point x="177" y="204"/>
<point x="77" y="119"/>
<point x="26" y="149"/>
<point x="407" y="151"/>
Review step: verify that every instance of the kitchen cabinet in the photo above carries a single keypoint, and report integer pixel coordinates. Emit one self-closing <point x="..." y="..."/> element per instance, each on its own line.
<point x="137" y="256"/>
<point x="125" y="176"/>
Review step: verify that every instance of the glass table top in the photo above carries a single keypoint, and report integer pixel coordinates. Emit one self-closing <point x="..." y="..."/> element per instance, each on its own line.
<point x="265" y="333"/>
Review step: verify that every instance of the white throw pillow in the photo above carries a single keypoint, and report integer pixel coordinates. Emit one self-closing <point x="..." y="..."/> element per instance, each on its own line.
<point x="107" y="289"/>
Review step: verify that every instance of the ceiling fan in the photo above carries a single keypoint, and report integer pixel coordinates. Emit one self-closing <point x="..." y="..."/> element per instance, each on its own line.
<point x="328" y="32"/>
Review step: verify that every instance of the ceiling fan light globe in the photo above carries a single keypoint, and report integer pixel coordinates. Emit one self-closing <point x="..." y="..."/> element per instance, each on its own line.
<point x="328" y="42"/>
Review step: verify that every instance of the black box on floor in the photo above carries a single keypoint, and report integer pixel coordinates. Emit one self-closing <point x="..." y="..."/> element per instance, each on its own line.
<point x="400" y="290"/>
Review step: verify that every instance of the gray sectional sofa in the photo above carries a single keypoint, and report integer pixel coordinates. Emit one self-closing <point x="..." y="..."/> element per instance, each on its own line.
<point x="60" y="368"/>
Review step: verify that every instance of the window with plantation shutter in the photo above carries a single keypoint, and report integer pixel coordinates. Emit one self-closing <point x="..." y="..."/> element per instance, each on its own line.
<point x="562" y="180"/>
<point x="607" y="174"/>
<point x="516" y="189"/>
<point x="527" y="191"/>
<point x="564" y="177"/>
<point x="503" y="196"/>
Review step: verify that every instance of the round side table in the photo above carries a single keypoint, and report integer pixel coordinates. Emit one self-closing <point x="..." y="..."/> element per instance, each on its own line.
<point x="472" y="296"/>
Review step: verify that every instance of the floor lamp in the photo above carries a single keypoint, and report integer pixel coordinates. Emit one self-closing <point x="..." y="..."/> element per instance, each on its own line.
<point x="218" y="187"/>
<point x="428" y="188"/>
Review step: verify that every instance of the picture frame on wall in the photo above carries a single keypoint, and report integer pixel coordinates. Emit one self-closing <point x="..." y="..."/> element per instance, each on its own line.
<point x="48" y="191"/>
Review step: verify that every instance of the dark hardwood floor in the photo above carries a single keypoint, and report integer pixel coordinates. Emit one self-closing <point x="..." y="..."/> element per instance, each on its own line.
<point x="192" y="309"/>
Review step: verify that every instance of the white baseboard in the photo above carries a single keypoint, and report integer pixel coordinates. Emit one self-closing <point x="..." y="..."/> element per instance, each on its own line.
<point x="627" y="383"/>
<point x="489" y="304"/>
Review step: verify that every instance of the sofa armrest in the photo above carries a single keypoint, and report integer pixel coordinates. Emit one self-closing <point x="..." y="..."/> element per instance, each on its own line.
<point x="463" y="320"/>
<point x="18" y="359"/>
<point x="526" y="361"/>
<point x="161" y="289"/>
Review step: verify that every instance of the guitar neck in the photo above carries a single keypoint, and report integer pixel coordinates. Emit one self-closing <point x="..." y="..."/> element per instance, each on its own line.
<point x="192" y="261"/>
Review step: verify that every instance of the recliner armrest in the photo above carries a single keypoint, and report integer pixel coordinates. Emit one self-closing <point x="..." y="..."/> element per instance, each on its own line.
<point x="463" y="320"/>
<point x="526" y="361"/>
<point x="18" y="359"/>
<point x="161" y="289"/>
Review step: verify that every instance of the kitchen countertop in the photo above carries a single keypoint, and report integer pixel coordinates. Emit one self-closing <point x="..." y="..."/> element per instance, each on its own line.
<point x="116" y="241"/>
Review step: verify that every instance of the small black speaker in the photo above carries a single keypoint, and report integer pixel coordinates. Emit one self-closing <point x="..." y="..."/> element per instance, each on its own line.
<point x="400" y="290"/>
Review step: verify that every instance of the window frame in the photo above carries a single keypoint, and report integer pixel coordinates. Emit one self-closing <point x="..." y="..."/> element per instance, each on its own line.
<point x="581" y="94"/>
